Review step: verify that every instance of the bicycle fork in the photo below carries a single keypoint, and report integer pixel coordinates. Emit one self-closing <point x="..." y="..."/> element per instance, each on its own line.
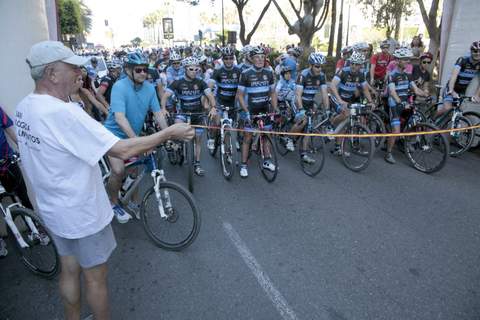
<point x="158" y="176"/>
<point x="14" y="229"/>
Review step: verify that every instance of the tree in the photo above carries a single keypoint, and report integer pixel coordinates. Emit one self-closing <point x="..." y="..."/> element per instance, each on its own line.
<point x="313" y="18"/>
<point x="333" y="24"/>
<point x="340" y="32"/>
<point x="136" y="41"/>
<point x="240" y="4"/>
<point x="75" y="20"/>
<point x="387" y="14"/>
<point x="433" y="27"/>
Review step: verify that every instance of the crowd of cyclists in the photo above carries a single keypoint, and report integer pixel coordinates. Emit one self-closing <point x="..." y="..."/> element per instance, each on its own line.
<point x="198" y="82"/>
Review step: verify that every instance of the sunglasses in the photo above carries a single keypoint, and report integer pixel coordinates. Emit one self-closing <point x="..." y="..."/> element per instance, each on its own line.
<point x="426" y="62"/>
<point x="317" y="66"/>
<point x="140" y="70"/>
<point x="192" y="69"/>
<point x="176" y="63"/>
<point x="227" y="58"/>
<point x="475" y="51"/>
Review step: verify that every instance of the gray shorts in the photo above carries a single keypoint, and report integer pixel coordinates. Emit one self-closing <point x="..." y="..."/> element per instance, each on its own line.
<point x="90" y="251"/>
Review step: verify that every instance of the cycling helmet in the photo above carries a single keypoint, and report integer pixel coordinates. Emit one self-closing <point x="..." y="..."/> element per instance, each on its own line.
<point x="246" y="50"/>
<point x="285" y="69"/>
<point x="316" y="58"/>
<point x="426" y="55"/>
<point x="112" y="65"/>
<point x="174" y="56"/>
<point x="347" y="49"/>
<point x="403" y="53"/>
<point x="227" y="51"/>
<point x="384" y="44"/>
<point x="136" y="59"/>
<point x="201" y="58"/>
<point x="360" y="46"/>
<point x="190" y="61"/>
<point x="357" y="58"/>
<point x="256" y="50"/>
<point x="93" y="59"/>
<point x="475" y="45"/>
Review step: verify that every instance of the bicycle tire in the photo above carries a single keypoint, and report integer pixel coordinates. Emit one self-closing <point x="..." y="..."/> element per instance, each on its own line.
<point x="460" y="141"/>
<point x="48" y="252"/>
<point x="474" y="118"/>
<point x="376" y="125"/>
<point x="316" y="151"/>
<point x="416" y="147"/>
<point x="184" y="204"/>
<point x="190" y="150"/>
<point x="227" y="162"/>
<point x="281" y="139"/>
<point x="263" y="141"/>
<point x="211" y="134"/>
<point x="361" y="147"/>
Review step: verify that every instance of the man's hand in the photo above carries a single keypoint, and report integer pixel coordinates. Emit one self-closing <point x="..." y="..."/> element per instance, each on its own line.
<point x="164" y="112"/>
<point x="180" y="131"/>
<point x="212" y="112"/>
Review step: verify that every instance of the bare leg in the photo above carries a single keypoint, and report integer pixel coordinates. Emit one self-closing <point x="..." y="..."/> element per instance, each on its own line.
<point x="97" y="291"/>
<point x="70" y="287"/>
<point x="115" y="180"/>
<point x="391" y="140"/>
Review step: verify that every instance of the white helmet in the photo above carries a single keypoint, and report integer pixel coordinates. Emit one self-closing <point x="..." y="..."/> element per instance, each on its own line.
<point x="403" y="53"/>
<point x="190" y="61"/>
<point x="357" y="58"/>
<point x="317" y="58"/>
<point x="174" y="56"/>
<point x="361" y="46"/>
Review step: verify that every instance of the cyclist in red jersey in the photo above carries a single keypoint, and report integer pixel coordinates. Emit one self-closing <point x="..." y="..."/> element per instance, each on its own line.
<point x="379" y="63"/>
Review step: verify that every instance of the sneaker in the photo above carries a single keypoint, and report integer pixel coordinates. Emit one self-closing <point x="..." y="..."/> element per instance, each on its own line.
<point x="337" y="151"/>
<point x="121" y="215"/>
<point x="243" y="171"/>
<point x="237" y="145"/>
<point x="198" y="170"/>
<point x="289" y="145"/>
<point x="307" y="159"/>
<point x="135" y="208"/>
<point x="211" y="144"/>
<point x="268" y="164"/>
<point x="330" y="130"/>
<point x="389" y="158"/>
<point x="3" y="248"/>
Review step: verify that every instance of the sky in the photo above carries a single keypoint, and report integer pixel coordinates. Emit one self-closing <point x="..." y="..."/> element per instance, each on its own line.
<point x="125" y="18"/>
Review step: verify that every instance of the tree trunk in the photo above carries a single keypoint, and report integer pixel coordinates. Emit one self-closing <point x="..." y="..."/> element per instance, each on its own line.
<point x="433" y="48"/>
<point x="331" y="40"/>
<point x="398" y="22"/>
<point x="340" y="32"/>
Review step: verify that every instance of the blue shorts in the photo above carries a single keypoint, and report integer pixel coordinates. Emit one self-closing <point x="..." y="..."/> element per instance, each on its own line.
<point x="194" y="120"/>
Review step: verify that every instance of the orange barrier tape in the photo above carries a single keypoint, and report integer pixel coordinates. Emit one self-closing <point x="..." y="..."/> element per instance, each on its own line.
<point x="344" y="135"/>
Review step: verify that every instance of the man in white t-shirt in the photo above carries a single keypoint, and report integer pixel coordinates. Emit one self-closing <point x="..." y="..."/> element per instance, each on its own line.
<point x="60" y="146"/>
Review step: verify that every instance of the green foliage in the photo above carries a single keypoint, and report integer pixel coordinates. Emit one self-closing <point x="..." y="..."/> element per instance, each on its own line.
<point x="136" y="41"/>
<point x="385" y="12"/>
<point x="74" y="16"/>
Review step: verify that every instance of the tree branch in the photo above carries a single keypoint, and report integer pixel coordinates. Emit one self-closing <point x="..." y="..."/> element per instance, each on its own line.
<point x="284" y="17"/>
<point x="323" y="16"/>
<point x="250" y="34"/>
<point x="297" y="12"/>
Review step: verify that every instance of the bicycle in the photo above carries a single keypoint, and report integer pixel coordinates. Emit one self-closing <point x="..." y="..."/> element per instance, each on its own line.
<point x="283" y="124"/>
<point x="262" y="145"/>
<point x="418" y="147"/>
<point x="311" y="146"/>
<point x="32" y="239"/>
<point x="162" y="206"/>
<point x="224" y="141"/>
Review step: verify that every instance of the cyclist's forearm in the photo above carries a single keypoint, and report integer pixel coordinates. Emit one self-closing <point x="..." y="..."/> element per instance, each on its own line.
<point x="127" y="148"/>
<point x="124" y="125"/>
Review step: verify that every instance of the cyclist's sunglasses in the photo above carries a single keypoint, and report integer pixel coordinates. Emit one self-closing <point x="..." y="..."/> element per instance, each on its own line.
<point x="317" y="66"/>
<point x="140" y="70"/>
<point x="193" y="69"/>
<point x="475" y="51"/>
<point x="176" y="62"/>
<point x="228" y="58"/>
<point x="426" y="62"/>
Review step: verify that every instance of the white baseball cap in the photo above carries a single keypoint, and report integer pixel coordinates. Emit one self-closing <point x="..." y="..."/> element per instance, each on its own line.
<point x="46" y="52"/>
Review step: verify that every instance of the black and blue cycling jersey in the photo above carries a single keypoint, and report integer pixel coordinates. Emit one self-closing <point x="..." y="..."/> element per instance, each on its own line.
<point x="310" y="84"/>
<point x="257" y="84"/>
<point x="468" y="70"/>
<point x="189" y="93"/>
<point x="349" y="83"/>
<point x="226" y="81"/>
<point x="401" y="82"/>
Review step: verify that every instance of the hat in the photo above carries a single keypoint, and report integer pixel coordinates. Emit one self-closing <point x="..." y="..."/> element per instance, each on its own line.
<point x="46" y="52"/>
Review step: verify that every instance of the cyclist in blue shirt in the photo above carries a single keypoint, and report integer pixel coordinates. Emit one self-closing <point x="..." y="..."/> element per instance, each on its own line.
<point x="132" y="97"/>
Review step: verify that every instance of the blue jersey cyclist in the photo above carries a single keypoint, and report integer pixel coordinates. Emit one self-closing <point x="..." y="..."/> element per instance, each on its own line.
<point x="131" y="99"/>
<point x="399" y="85"/>
<point x="310" y="82"/>
<point x="285" y="87"/>
<point x="225" y="80"/>
<point x="347" y="87"/>
<point x="465" y="70"/>
<point x="256" y="90"/>
<point x="191" y="92"/>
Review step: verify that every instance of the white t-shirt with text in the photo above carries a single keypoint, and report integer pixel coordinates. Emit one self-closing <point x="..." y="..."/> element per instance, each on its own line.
<point x="60" y="146"/>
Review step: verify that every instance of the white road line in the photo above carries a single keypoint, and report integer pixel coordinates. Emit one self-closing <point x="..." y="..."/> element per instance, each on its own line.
<point x="275" y="296"/>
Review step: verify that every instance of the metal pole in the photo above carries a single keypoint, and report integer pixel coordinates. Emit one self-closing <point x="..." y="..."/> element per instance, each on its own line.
<point x="348" y="23"/>
<point x="223" y="28"/>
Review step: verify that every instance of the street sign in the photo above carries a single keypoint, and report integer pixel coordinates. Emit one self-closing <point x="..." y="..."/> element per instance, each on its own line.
<point x="167" y="28"/>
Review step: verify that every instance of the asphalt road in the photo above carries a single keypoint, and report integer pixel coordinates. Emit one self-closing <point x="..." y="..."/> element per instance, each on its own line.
<point x="386" y="243"/>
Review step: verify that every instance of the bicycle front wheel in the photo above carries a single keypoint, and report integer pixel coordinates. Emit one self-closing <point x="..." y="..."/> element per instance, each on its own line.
<point x="181" y="225"/>
<point x="226" y="156"/>
<point x="266" y="153"/>
<point x="282" y="139"/>
<point x="460" y="141"/>
<point x="357" y="152"/>
<point x="212" y="134"/>
<point x="375" y="125"/>
<point x="41" y="255"/>
<point x="314" y="150"/>
<point x="190" y="156"/>
<point x="474" y="118"/>
<point x="427" y="153"/>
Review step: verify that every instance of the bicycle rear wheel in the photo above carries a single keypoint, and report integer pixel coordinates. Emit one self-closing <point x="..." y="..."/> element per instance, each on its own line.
<point x="41" y="255"/>
<point x="213" y="134"/>
<point x="460" y="141"/>
<point x="427" y="153"/>
<point x="226" y="155"/>
<point x="182" y="224"/>
<point x="314" y="147"/>
<point x="264" y="144"/>
<point x="281" y="139"/>
<point x="376" y="125"/>
<point x="474" y="118"/>
<point x="357" y="152"/>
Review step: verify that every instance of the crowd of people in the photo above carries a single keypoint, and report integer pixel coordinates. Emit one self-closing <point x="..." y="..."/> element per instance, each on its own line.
<point x="74" y="118"/>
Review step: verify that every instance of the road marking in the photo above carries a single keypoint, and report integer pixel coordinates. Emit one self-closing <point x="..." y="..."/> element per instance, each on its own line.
<point x="275" y="296"/>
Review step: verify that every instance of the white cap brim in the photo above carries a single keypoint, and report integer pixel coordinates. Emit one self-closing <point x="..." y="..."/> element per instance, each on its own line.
<point x="76" y="60"/>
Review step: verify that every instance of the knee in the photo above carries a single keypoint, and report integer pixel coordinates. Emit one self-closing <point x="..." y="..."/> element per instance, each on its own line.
<point x="118" y="171"/>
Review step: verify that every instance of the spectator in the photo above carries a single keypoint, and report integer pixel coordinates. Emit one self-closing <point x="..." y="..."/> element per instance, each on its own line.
<point x="417" y="48"/>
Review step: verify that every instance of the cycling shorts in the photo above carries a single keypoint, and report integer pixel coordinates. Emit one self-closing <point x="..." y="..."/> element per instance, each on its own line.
<point x="194" y="120"/>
